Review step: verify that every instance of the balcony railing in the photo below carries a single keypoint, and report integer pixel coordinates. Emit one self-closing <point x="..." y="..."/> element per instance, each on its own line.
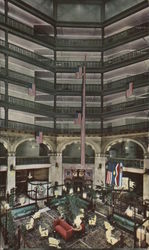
<point x="127" y="106"/>
<point x="122" y="83"/>
<point x="78" y="87"/>
<point x="77" y="43"/>
<point x="124" y="35"/>
<point x="129" y="128"/>
<point x="3" y="161"/>
<point x="130" y="163"/>
<point x="127" y="57"/>
<point x="35" y="58"/>
<point x="128" y="34"/>
<point x="77" y="160"/>
<point x="75" y="64"/>
<point x="28" y="106"/>
<point x="32" y="160"/>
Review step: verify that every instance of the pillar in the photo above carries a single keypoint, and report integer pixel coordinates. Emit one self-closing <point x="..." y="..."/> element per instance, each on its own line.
<point x="99" y="175"/>
<point x="11" y="172"/>
<point x="56" y="171"/>
<point x="146" y="180"/>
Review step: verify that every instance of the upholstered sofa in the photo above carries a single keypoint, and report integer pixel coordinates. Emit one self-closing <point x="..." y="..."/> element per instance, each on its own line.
<point x="63" y="228"/>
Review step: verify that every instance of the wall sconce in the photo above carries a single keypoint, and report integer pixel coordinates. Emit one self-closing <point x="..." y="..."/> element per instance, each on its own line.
<point x="100" y="166"/>
<point x="56" y="165"/>
<point x="12" y="167"/>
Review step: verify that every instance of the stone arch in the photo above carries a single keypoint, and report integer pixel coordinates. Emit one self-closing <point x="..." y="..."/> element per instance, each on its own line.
<point x="72" y="151"/>
<point x="19" y="142"/>
<point x="4" y="148"/>
<point x="63" y="145"/>
<point x="118" y="140"/>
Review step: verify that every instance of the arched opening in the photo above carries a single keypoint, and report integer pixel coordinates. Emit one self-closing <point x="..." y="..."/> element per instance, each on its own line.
<point x="33" y="149"/>
<point x="31" y="153"/>
<point x="123" y="160"/>
<point x="72" y="154"/>
<point x="125" y="149"/>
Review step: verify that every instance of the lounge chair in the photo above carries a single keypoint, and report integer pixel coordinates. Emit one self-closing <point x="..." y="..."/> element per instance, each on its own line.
<point x="43" y="231"/>
<point x="30" y="224"/>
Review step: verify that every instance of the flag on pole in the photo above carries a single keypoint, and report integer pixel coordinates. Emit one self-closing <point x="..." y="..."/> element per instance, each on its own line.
<point x="109" y="177"/>
<point x="117" y="174"/>
<point x="39" y="137"/>
<point x="120" y="174"/>
<point x="77" y="119"/>
<point x="79" y="72"/>
<point x="129" y="91"/>
<point x="32" y="90"/>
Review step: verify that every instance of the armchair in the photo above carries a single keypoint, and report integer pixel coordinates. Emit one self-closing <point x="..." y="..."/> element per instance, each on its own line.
<point x="43" y="231"/>
<point x="30" y="224"/>
<point x="92" y="221"/>
<point x="36" y="215"/>
<point x="54" y="242"/>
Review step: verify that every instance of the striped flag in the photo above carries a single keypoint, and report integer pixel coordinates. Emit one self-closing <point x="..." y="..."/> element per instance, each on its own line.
<point x="129" y="91"/>
<point x="77" y="119"/>
<point x="79" y="73"/>
<point x="117" y="174"/>
<point x="32" y="90"/>
<point x="39" y="137"/>
<point x="120" y="174"/>
<point x="109" y="177"/>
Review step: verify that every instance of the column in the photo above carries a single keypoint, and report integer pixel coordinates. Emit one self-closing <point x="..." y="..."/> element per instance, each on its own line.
<point x="11" y="173"/>
<point x="146" y="180"/>
<point x="56" y="170"/>
<point x="99" y="175"/>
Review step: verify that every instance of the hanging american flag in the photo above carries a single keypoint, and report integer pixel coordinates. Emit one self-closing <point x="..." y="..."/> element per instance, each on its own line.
<point x="39" y="137"/>
<point x="109" y="177"/>
<point x="32" y="90"/>
<point x="79" y="73"/>
<point x="129" y="91"/>
<point x="117" y="174"/>
<point x="77" y="119"/>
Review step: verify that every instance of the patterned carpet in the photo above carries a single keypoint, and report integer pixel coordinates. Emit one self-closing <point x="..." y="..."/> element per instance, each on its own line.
<point x="94" y="236"/>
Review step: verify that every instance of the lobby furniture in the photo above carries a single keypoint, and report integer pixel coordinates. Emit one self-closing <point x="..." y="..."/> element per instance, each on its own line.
<point x="30" y="224"/>
<point x="43" y="231"/>
<point x="63" y="228"/>
<point x="23" y="211"/>
<point x="126" y="223"/>
<point x="110" y="238"/>
<point x="92" y="221"/>
<point x="36" y="215"/>
<point x="108" y="226"/>
<point x="53" y="242"/>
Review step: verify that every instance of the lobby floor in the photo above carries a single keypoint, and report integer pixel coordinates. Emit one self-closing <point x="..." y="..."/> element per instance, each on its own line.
<point x="94" y="237"/>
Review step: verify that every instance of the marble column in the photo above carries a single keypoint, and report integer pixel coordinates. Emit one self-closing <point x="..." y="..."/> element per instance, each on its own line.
<point x="146" y="180"/>
<point x="11" y="172"/>
<point x="99" y="174"/>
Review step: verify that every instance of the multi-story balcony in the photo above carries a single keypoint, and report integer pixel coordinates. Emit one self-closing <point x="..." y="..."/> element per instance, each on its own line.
<point x="26" y="55"/>
<point x="71" y="66"/>
<point x="25" y="31"/>
<point x="140" y="80"/>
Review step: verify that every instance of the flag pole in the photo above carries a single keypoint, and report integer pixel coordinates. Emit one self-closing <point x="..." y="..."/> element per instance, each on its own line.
<point x="83" y="116"/>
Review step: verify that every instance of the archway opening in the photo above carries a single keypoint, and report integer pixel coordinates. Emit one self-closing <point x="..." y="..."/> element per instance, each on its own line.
<point x="72" y="154"/>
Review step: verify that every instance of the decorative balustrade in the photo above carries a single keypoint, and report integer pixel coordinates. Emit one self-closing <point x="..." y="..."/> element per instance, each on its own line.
<point x="127" y="105"/>
<point x="31" y="106"/>
<point x="132" y="128"/>
<point x="130" y="163"/>
<point x="77" y="160"/>
<point x="32" y="160"/>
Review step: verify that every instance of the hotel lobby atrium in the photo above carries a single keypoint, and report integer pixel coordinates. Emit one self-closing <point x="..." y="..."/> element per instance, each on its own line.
<point x="74" y="124"/>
